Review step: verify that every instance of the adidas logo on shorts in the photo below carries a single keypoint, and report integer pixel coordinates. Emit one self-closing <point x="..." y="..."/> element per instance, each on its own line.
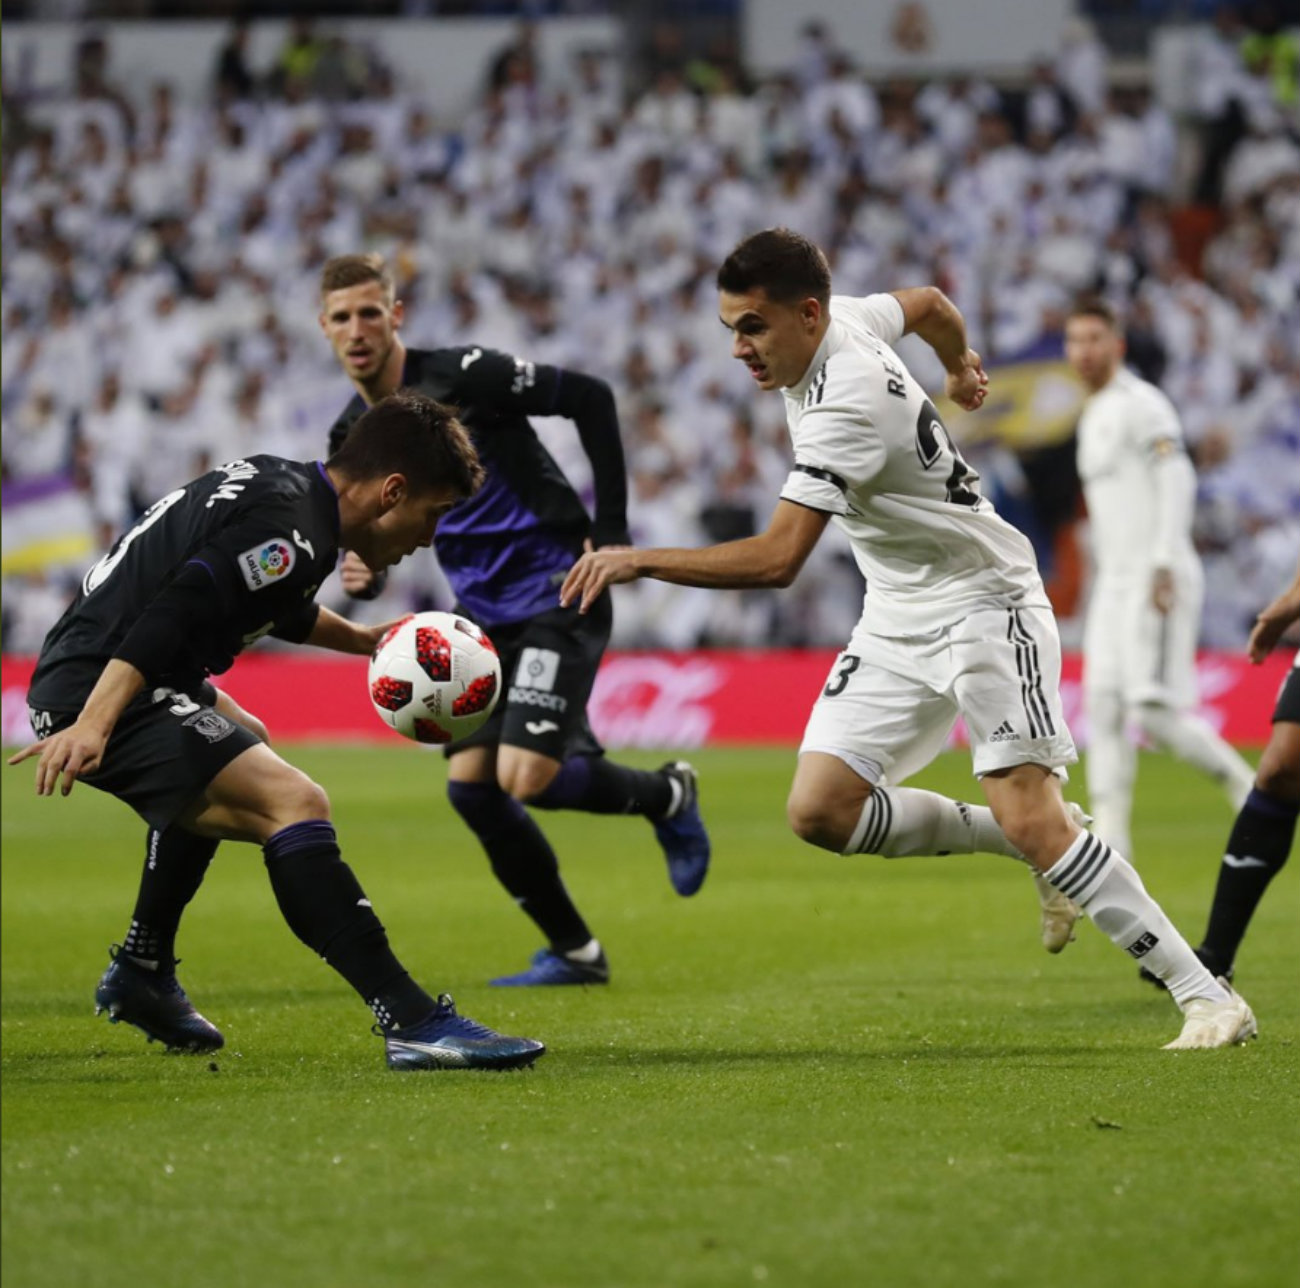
<point x="1004" y="733"/>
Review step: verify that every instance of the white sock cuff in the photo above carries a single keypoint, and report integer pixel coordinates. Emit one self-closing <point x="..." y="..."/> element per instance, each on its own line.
<point x="1076" y="873"/>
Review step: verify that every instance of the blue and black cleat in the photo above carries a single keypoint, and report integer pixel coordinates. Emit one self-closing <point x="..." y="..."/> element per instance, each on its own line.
<point x="682" y="833"/>
<point x="155" y="1003"/>
<point x="446" y="1040"/>
<point x="548" y="967"/>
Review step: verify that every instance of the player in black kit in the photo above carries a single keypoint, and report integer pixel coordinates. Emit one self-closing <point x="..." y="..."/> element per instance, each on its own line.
<point x="121" y="699"/>
<point x="506" y="551"/>
<point x="1263" y="832"/>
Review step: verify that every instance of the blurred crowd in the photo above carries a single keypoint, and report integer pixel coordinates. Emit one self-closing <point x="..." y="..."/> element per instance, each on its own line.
<point x="163" y="250"/>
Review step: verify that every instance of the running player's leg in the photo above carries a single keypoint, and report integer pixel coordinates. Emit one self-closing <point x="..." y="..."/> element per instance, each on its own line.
<point x="879" y="719"/>
<point x="1021" y="785"/>
<point x="176" y="862"/>
<point x="1112" y="757"/>
<point x="261" y="798"/>
<point x="1163" y="691"/>
<point x="521" y="857"/>
<point x="525" y="864"/>
<point x="1262" y="835"/>
<point x="550" y="759"/>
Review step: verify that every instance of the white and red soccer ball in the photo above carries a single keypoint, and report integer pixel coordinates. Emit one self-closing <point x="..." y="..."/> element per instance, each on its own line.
<point x="435" y="677"/>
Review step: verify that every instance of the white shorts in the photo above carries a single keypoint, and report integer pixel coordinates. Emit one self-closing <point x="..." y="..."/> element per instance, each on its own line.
<point x="889" y="704"/>
<point x="1144" y="656"/>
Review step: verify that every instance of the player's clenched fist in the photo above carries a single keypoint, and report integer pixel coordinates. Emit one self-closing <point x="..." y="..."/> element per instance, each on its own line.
<point x="593" y="572"/>
<point x="968" y="386"/>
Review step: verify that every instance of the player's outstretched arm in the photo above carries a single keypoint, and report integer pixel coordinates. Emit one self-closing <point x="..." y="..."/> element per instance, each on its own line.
<point x="335" y="632"/>
<point x="79" y="748"/>
<point x="1272" y="623"/>
<point x="929" y="313"/>
<point x="770" y="559"/>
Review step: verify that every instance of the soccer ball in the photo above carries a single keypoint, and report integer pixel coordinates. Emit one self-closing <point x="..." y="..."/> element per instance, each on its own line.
<point x="435" y="677"/>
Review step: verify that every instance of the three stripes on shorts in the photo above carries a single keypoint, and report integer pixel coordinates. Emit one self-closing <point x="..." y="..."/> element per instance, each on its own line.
<point x="1037" y="711"/>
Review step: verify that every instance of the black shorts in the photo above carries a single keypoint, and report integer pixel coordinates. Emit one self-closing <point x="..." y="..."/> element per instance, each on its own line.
<point x="1288" y="697"/>
<point x="163" y="751"/>
<point x="548" y="667"/>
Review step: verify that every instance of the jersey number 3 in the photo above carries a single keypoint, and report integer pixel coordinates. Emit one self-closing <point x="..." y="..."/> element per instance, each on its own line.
<point x="101" y="571"/>
<point x="932" y="442"/>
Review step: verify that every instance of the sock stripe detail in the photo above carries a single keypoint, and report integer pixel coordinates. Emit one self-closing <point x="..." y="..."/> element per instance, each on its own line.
<point x="881" y="815"/>
<point x="1087" y="865"/>
<point x="300" y="836"/>
<point x="1081" y="866"/>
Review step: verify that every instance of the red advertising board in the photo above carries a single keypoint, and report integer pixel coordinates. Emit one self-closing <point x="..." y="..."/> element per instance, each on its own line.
<point x="721" y="698"/>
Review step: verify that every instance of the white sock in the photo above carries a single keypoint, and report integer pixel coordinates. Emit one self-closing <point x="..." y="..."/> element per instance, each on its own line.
<point x="1192" y="740"/>
<point x="1112" y="768"/>
<point x="589" y="952"/>
<point x="901" y="821"/>
<point x="1107" y="887"/>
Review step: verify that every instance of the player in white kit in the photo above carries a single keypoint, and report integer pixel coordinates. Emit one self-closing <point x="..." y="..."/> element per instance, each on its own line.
<point x="955" y="619"/>
<point x="1144" y="615"/>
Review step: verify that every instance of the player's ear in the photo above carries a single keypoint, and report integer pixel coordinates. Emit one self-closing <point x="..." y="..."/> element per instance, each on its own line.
<point x="810" y="312"/>
<point x="399" y="314"/>
<point x="392" y="491"/>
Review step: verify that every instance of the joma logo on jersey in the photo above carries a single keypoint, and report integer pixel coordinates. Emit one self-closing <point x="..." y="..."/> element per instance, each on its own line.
<point x="266" y="564"/>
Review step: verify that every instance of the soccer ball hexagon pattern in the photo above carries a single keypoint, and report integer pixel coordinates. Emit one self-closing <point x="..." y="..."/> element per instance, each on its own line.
<point x="435" y="677"/>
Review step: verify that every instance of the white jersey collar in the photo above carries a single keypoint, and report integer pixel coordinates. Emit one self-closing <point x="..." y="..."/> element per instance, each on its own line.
<point x="832" y="340"/>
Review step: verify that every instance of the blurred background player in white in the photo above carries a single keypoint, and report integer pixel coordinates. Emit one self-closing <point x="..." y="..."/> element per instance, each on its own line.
<point x="955" y="620"/>
<point x="1145" y="612"/>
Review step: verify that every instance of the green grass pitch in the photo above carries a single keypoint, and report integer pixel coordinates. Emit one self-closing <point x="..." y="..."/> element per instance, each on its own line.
<point x="820" y="1071"/>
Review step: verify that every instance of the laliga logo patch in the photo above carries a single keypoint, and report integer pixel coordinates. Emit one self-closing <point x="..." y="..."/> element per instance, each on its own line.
<point x="276" y="559"/>
<point x="266" y="564"/>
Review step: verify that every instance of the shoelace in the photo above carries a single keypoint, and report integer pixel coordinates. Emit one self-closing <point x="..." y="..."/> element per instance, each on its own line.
<point x="445" y="1010"/>
<point x="465" y="1026"/>
<point x="162" y="982"/>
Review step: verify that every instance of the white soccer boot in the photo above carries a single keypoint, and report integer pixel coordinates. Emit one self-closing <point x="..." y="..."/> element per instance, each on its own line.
<point x="1059" y="913"/>
<point x="1208" y="1024"/>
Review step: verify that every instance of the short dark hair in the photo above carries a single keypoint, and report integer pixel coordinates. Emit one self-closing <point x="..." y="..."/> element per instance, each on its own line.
<point x="355" y="270"/>
<point x="1093" y="306"/>
<point x="410" y="434"/>
<point x="779" y="261"/>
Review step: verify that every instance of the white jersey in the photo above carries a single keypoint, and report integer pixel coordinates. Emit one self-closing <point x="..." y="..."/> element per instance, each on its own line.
<point x="1139" y="484"/>
<point x="871" y="450"/>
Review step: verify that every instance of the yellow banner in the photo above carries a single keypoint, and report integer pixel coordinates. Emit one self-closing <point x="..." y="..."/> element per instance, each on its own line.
<point x="1029" y="404"/>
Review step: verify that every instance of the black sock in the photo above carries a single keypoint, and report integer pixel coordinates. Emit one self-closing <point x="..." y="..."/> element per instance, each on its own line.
<point x="327" y="909"/>
<point x="522" y="860"/>
<point x="174" y="866"/>
<point x="598" y="786"/>
<point x="1257" y="850"/>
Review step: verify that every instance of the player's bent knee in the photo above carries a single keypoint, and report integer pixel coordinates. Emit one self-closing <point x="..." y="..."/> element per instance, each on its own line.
<point x="812" y="822"/>
<point x="528" y="779"/>
<point x="295" y="798"/>
<point x="1279" y="777"/>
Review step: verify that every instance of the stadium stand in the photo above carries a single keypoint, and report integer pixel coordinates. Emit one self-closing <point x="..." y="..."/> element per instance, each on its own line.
<point x="162" y="252"/>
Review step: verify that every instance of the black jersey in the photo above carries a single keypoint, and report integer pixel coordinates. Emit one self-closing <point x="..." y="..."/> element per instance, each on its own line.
<point x="507" y="548"/>
<point x="265" y="531"/>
